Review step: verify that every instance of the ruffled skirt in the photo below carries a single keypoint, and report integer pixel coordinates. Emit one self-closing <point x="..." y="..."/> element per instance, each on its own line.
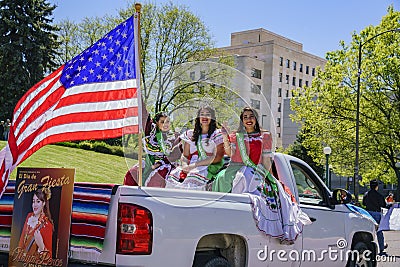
<point x="196" y="179"/>
<point x="274" y="212"/>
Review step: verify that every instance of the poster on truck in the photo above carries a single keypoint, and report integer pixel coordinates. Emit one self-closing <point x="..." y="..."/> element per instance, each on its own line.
<point x="41" y="218"/>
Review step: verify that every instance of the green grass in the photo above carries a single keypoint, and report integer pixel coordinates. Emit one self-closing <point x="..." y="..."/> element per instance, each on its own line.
<point x="89" y="166"/>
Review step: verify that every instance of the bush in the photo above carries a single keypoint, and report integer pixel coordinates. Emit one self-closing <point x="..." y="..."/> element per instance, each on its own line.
<point x="85" y="145"/>
<point x="68" y="144"/>
<point x="117" y="150"/>
<point x="102" y="147"/>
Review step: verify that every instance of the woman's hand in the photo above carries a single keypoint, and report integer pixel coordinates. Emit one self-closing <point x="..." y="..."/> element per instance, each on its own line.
<point x="39" y="240"/>
<point x="188" y="168"/>
<point x="155" y="165"/>
<point x="227" y="144"/>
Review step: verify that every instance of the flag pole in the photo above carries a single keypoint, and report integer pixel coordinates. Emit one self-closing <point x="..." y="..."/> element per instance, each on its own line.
<point x="138" y="7"/>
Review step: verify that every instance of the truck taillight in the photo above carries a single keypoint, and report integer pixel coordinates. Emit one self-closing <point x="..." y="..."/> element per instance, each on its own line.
<point x="135" y="230"/>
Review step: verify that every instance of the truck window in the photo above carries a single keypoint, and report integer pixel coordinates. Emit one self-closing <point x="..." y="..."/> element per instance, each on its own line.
<point x="309" y="193"/>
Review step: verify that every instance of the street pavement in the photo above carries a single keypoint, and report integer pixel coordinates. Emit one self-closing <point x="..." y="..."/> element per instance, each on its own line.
<point x="392" y="238"/>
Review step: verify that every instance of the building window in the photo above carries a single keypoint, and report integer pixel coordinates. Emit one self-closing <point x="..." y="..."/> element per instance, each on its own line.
<point x="287" y="79"/>
<point x="301" y="67"/>
<point x="279" y="135"/>
<point x="256" y="73"/>
<point x="300" y="82"/>
<point x="279" y="92"/>
<point x="287" y="93"/>
<point x="255" y="103"/>
<point x="192" y="75"/>
<point x="256" y="89"/>
<point x="313" y="72"/>
<point x="278" y="122"/>
<point x="280" y="76"/>
<point x="306" y="83"/>
<point x="294" y="81"/>
<point x="294" y="65"/>
<point x="307" y="69"/>
<point x="287" y="63"/>
<point x="281" y="61"/>
<point x="279" y="107"/>
<point x="202" y="74"/>
<point x="292" y="93"/>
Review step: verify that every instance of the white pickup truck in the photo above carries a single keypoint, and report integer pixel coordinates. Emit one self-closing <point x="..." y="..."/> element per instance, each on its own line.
<point x="169" y="227"/>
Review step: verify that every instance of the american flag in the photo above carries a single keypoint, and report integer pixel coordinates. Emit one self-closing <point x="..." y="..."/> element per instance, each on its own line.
<point x="93" y="96"/>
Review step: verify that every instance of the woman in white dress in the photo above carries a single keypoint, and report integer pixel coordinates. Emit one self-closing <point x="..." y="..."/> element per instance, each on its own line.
<point x="202" y="156"/>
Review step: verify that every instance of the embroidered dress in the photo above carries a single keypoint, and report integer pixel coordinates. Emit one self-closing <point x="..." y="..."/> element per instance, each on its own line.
<point x="256" y="143"/>
<point x="27" y="239"/>
<point x="275" y="212"/>
<point x="199" y="178"/>
<point x="162" y="150"/>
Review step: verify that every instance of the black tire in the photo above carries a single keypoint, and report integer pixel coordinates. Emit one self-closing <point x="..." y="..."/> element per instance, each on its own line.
<point x="361" y="261"/>
<point x="210" y="261"/>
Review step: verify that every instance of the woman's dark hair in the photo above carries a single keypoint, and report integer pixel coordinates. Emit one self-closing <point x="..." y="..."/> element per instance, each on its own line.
<point x="159" y="115"/>
<point x="155" y="119"/>
<point x="197" y="125"/>
<point x="44" y="194"/>
<point x="241" y="128"/>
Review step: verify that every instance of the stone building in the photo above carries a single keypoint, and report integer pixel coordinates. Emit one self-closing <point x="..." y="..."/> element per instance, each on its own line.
<point x="276" y="65"/>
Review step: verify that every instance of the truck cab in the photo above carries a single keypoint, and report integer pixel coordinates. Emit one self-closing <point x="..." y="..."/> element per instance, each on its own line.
<point x="339" y="228"/>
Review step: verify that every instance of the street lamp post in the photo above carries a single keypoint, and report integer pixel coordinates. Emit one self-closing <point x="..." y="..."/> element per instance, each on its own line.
<point x="327" y="152"/>
<point x="356" y="163"/>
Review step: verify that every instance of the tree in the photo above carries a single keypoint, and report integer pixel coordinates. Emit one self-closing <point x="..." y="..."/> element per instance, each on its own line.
<point x="76" y="37"/>
<point x="327" y="109"/>
<point x="170" y="37"/>
<point x="27" y="48"/>
<point x="298" y="150"/>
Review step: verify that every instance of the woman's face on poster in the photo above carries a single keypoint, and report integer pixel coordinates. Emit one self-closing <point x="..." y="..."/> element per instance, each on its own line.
<point x="37" y="205"/>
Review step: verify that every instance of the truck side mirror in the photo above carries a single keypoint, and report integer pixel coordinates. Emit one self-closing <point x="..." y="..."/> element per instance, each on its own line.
<point x="340" y="196"/>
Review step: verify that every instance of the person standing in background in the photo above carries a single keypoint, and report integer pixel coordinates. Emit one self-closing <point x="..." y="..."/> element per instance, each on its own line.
<point x="374" y="202"/>
<point x="1" y="130"/>
<point x="7" y="126"/>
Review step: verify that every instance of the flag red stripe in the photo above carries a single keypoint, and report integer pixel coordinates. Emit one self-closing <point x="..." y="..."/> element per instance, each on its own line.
<point x="31" y="90"/>
<point x="52" y="99"/>
<point x="92" y="97"/>
<point x="12" y="144"/>
<point x="82" y="135"/>
<point x="82" y="117"/>
<point x="48" y="102"/>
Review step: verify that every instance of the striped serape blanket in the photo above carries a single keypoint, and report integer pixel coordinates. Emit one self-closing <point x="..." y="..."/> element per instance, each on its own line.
<point x="6" y="212"/>
<point x="88" y="223"/>
<point x="89" y="217"/>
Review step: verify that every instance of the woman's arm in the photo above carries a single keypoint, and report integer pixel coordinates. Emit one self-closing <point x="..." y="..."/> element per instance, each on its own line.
<point x="227" y="145"/>
<point x="217" y="156"/>
<point x="267" y="150"/>
<point x="177" y="150"/>
<point x="43" y="237"/>
<point x="267" y="160"/>
<point x="185" y="155"/>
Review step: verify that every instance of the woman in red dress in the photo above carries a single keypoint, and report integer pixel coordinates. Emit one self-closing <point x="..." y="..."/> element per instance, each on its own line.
<point x="250" y="149"/>
<point x="37" y="235"/>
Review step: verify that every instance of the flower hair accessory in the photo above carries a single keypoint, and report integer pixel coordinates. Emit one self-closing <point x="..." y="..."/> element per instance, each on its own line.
<point x="47" y="192"/>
